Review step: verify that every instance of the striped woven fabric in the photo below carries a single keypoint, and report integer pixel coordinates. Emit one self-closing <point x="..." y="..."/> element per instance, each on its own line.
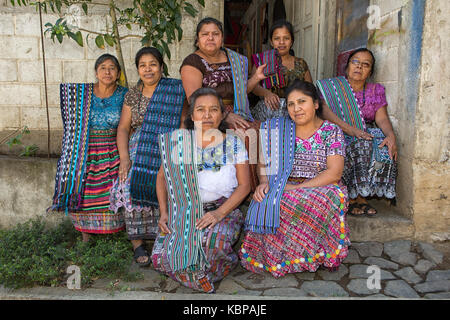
<point x="341" y="99"/>
<point x="239" y="69"/>
<point x="163" y="115"/>
<point x="102" y="167"/>
<point x="75" y="102"/>
<point x="313" y="232"/>
<point x="273" y="72"/>
<point x="183" y="245"/>
<point x="277" y="137"/>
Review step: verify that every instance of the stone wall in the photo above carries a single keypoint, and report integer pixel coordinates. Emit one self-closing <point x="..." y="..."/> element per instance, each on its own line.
<point x="22" y="95"/>
<point x="411" y="63"/>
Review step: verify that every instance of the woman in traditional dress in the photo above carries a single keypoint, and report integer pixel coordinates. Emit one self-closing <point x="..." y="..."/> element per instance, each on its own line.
<point x="152" y="107"/>
<point x="226" y="71"/>
<point x="360" y="109"/>
<point x="296" y="221"/>
<point x="89" y="160"/>
<point x="203" y="178"/>
<point x="289" y="68"/>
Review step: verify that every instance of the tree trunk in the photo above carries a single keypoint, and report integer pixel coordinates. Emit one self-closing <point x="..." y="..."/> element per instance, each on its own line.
<point x="118" y="47"/>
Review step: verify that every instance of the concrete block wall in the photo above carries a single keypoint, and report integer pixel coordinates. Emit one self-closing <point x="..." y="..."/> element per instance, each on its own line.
<point x="22" y="95"/>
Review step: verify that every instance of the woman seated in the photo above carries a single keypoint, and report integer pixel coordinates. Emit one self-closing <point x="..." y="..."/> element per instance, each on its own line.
<point x="152" y="107"/>
<point x="296" y="221"/>
<point x="360" y="109"/>
<point x="290" y="67"/>
<point x="91" y="113"/>
<point x="203" y="178"/>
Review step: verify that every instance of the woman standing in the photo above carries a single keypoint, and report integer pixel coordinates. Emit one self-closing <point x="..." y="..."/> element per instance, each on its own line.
<point x="304" y="226"/>
<point x="225" y="71"/>
<point x="292" y="68"/>
<point x="371" y="154"/>
<point x="86" y="171"/>
<point x="152" y="107"/>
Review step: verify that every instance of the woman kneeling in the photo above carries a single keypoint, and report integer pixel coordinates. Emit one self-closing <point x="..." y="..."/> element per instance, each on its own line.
<point x="303" y="227"/>
<point x="203" y="178"/>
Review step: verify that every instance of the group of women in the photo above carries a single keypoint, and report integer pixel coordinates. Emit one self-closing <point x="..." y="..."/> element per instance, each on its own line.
<point x="172" y="160"/>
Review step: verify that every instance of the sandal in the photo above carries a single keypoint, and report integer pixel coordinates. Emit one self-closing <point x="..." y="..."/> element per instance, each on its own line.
<point x="141" y="252"/>
<point x="351" y="209"/>
<point x="366" y="207"/>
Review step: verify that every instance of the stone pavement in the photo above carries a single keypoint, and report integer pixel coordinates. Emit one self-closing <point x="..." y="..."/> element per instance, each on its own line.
<point x="408" y="270"/>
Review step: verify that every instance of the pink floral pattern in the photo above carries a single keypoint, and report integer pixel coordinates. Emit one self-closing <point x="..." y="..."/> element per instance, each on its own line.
<point x="375" y="99"/>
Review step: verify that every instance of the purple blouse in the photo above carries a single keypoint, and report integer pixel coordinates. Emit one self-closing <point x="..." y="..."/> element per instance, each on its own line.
<point x="375" y="99"/>
<point x="311" y="154"/>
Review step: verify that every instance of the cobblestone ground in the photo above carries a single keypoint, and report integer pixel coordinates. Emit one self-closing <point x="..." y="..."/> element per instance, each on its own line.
<point x="407" y="270"/>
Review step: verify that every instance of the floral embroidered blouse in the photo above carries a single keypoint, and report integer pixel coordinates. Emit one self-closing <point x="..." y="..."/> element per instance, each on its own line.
<point x="105" y="113"/>
<point x="311" y="154"/>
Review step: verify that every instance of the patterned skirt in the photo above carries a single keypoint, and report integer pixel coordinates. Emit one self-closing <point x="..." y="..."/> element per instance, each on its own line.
<point x="218" y="246"/>
<point x="141" y="222"/>
<point x="251" y="145"/>
<point x="366" y="177"/>
<point x="102" y="167"/>
<point x="313" y="232"/>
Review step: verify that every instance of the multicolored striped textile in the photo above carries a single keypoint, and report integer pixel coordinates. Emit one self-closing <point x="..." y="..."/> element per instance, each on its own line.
<point x="179" y="161"/>
<point x="341" y="99"/>
<point x="277" y="137"/>
<point x="217" y="243"/>
<point x="239" y="69"/>
<point x="102" y="167"/>
<point x="273" y="72"/>
<point x="313" y="231"/>
<point x="163" y="115"/>
<point x="75" y="102"/>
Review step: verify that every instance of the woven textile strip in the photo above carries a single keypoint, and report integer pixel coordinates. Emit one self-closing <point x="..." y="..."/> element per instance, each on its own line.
<point x="273" y="72"/>
<point x="75" y="102"/>
<point x="340" y="98"/>
<point x="239" y="69"/>
<point x="277" y="137"/>
<point x="163" y="115"/>
<point x="183" y="245"/>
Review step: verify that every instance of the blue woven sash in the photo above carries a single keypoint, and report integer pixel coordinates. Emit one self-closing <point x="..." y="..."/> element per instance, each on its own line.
<point x="184" y="244"/>
<point x="278" y="145"/>
<point x="163" y="115"/>
<point x="239" y="69"/>
<point x="75" y="103"/>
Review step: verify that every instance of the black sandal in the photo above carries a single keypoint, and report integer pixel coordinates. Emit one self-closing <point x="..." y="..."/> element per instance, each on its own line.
<point x="141" y="252"/>
<point x="366" y="207"/>
<point x="352" y="207"/>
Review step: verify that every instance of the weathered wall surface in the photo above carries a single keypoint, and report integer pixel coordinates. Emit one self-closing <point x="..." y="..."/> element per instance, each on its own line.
<point x="22" y="96"/>
<point x="431" y="165"/>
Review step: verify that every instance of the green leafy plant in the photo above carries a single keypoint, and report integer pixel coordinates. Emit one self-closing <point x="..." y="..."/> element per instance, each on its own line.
<point x="16" y="140"/>
<point x="34" y="254"/>
<point x="160" y="21"/>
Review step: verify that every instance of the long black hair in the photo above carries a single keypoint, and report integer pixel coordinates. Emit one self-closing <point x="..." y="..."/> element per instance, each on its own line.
<point x="204" y="21"/>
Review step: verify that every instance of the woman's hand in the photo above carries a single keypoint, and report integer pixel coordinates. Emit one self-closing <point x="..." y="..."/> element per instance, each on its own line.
<point x="271" y="100"/>
<point x="260" y="192"/>
<point x="124" y="167"/>
<point x="162" y="223"/>
<point x="390" y="142"/>
<point x="259" y="74"/>
<point x="360" y="134"/>
<point x="209" y="219"/>
<point x="236" y="121"/>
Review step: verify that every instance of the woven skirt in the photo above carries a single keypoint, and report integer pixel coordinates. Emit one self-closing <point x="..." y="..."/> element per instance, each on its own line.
<point x="313" y="232"/>
<point x="366" y="177"/>
<point x="102" y="167"/>
<point x="218" y="246"/>
<point x="141" y="222"/>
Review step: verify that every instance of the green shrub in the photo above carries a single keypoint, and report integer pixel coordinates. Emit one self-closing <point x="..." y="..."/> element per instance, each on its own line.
<point x="34" y="254"/>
